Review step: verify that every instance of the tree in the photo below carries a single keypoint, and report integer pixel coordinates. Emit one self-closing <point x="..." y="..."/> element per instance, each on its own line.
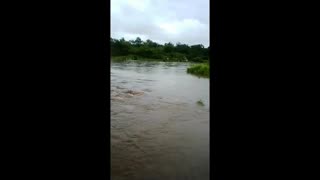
<point x="138" y="42"/>
<point x="168" y="47"/>
<point x="182" y="48"/>
<point x="149" y="49"/>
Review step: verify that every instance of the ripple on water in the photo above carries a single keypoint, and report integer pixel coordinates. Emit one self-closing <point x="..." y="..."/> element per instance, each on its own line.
<point x="119" y="87"/>
<point x="147" y="90"/>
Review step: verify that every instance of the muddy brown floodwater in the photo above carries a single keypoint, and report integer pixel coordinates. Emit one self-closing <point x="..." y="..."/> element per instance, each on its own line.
<point x="158" y="130"/>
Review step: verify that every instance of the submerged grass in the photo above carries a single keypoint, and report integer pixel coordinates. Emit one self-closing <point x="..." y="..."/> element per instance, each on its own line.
<point x="200" y="103"/>
<point x="202" y="70"/>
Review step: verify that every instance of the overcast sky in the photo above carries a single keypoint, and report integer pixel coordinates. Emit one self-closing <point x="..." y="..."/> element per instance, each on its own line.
<point x="162" y="21"/>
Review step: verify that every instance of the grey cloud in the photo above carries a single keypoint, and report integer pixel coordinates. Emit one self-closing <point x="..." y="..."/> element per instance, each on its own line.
<point x="127" y="21"/>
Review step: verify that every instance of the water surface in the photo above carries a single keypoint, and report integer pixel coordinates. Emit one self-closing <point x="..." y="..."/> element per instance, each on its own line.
<point x="160" y="132"/>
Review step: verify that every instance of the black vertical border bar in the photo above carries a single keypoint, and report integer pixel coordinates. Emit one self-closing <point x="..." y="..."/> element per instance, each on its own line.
<point x="216" y="36"/>
<point x="212" y="86"/>
<point x="107" y="81"/>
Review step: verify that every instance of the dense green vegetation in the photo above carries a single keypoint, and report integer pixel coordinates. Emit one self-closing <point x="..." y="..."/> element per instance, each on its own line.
<point x="202" y="70"/>
<point x="149" y="50"/>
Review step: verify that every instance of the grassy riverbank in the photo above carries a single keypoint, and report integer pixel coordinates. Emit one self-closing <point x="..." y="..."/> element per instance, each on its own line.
<point x="134" y="57"/>
<point x="201" y="70"/>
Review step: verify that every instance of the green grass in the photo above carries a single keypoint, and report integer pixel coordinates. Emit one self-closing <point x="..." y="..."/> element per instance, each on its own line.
<point x="201" y="70"/>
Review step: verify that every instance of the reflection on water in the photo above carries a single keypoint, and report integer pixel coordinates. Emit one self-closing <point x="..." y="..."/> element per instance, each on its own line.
<point x="158" y="131"/>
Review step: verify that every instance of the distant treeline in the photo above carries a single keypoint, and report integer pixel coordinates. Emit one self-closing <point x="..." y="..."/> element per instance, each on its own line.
<point x="138" y="49"/>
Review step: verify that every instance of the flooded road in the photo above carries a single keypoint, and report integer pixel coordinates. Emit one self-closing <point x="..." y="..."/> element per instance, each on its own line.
<point x="158" y="130"/>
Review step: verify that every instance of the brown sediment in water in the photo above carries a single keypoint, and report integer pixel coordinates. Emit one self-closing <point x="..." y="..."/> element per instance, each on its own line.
<point x="157" y="129"/>
<point x="134" y="92"/>
<point x="126" y="94"/>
